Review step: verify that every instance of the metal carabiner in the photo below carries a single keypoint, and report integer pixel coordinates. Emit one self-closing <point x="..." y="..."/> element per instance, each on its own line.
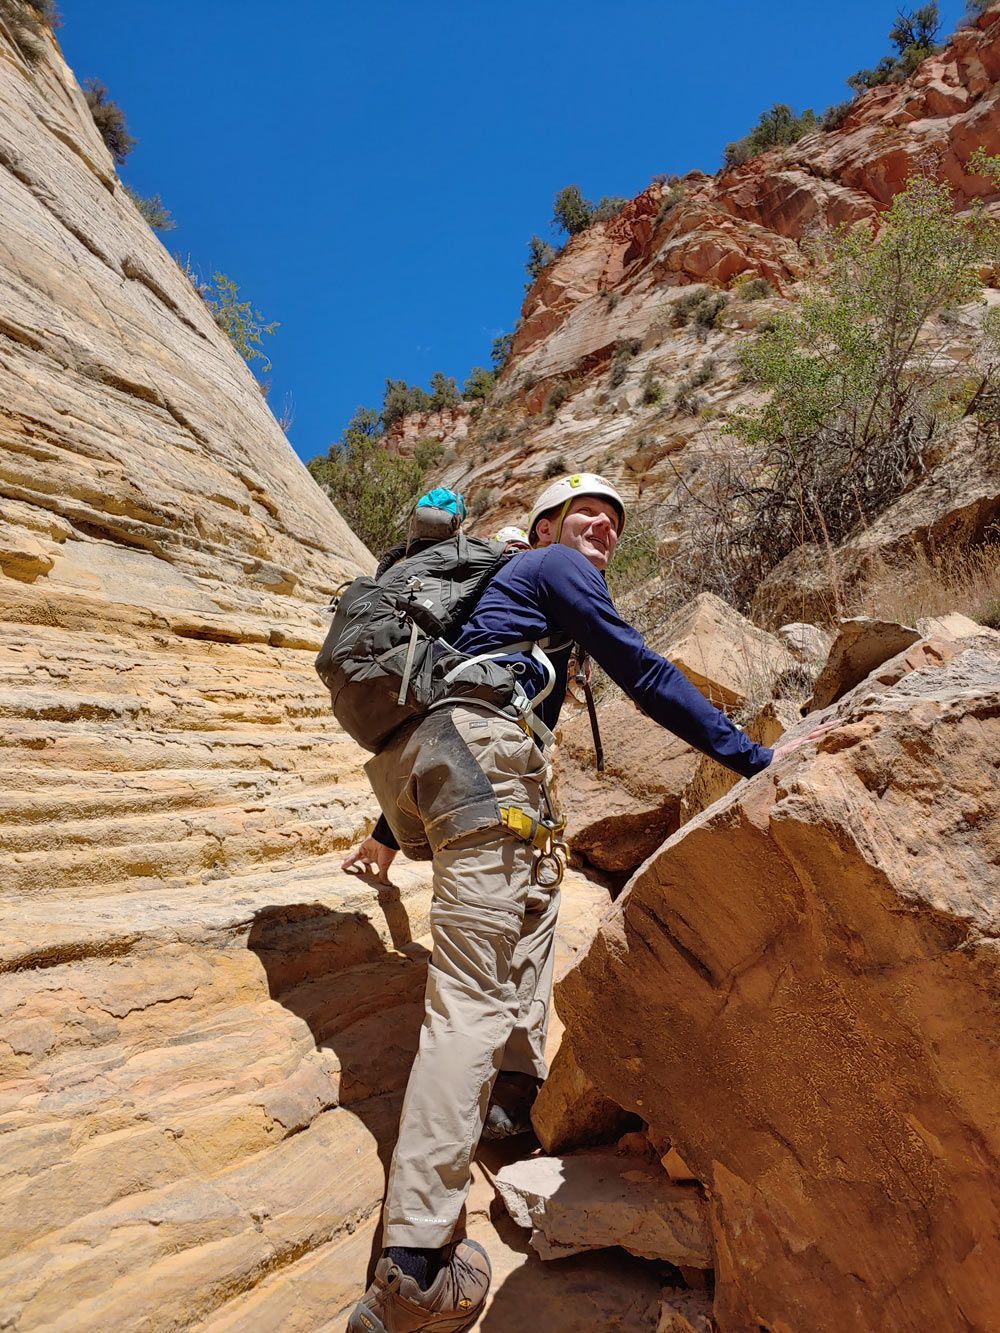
<point x="553" y="866"/>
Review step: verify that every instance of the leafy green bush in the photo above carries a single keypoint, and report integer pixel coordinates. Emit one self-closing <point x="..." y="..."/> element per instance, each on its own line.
<point x="914" y="36"/>
<point x="109" y="119"/>
<point x="373" y="489"/>
<point x="607" y="207"/>
<point x="699" y="308"/>
<point x="400" y="399"/>
<point x="500" y="350"/>
<point x="571" y="213"/>
<point x="780" y="125"/>
<point x="540" y="256"/>
<point x="635" y="559"/>
<point x="668" y="203"/>
<point x="834" y="116"/>
<point x="479" y="384"/>
<point x="624" y="352"/>
<point x="444" y="391"/>
<point x="686" y="401"/>
<point x="754" y="290"/>
<point x="651" y="389"/>
<point x="242" y="325"/>
<point x="560" y="391"/>
<point x="426" y="452"/>
<point x="857" y="385"/>
<point x="481" y="500"/>
<point x="153" y="210"/>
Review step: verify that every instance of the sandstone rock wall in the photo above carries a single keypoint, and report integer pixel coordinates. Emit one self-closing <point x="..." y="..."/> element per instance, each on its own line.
<point x="191" y="993"/>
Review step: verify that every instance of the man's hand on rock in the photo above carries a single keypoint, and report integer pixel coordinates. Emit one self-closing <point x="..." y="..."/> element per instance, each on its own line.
<point x="782" y="750"/>
<point x="370" y="858"/>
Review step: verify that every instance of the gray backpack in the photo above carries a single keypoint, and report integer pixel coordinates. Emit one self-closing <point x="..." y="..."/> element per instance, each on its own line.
<point x="388" y="657"/>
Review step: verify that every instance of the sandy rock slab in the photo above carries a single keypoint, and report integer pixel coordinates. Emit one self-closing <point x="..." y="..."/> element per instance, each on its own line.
<point x="805" y="984"/>
<point x="590" y="1200"/>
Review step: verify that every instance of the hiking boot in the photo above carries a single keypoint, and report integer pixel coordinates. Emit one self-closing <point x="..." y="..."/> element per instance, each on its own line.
<point x="509" y="1111"/>
<point x="394" y="1303"/>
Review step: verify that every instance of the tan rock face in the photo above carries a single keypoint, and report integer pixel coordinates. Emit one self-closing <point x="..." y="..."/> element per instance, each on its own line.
<point x="618" y="818"/>
<point x="806" y="992"/>
<point x="191" y="994"/>
<point x="861" y="645"/>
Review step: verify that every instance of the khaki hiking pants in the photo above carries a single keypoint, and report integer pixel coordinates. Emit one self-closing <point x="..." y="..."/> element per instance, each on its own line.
<point x="493" y="933"/>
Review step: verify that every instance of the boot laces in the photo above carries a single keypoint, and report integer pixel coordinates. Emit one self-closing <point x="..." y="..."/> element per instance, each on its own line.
<point x="459" y="1269"/>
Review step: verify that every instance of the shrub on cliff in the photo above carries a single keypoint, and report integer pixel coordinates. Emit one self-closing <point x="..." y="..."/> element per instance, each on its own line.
<point x="500" y="350"/>
<point x="624" y="352"/>
<point x="239" y="321"/>
<point x="479" y="384"/>
<point x="444" y="391"/>
<point x="572" y="213"/>
<point x="153" y="210"/>
<point x="914" y="36"/>
<point x="858" y="388"/>
<point x="540" y="256"/>
<point x="400" y="399"/>
<point x="25" y="20"/>
<point x="109" y="119"/>
<point x="780" y="125"/>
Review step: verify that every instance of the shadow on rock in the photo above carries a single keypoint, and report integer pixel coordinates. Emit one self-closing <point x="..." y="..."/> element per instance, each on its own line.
<point x="362" y="1003"/>
<point x="598" y="1290"/>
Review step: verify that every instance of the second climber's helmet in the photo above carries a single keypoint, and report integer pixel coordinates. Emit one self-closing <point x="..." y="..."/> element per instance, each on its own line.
<point x="513" y="536"/>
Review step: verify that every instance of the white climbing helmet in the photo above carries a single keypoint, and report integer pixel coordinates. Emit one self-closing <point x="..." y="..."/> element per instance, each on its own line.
<point x="512" y="536"/>
<point x="562" y="493"/>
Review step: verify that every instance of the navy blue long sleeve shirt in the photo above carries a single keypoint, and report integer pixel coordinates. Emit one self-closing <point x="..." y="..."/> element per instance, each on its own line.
<point x="555" y="591"/>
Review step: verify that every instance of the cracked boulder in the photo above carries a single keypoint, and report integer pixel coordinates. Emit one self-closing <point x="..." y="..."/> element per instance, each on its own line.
<point x="590" y="1200"/>
<point x="805" y="982"/>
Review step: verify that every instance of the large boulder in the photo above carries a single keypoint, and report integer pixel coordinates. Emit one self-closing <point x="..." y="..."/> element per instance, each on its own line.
<point x="862" y="644"/>
<point x="805" y="986"/>
<point x="725" y="655"/>
<point x="616" y="818"/>
<point x="569" y="1111"/>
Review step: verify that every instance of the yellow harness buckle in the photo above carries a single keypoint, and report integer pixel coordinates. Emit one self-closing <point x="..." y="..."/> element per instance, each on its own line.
<point x="512" y="817"/>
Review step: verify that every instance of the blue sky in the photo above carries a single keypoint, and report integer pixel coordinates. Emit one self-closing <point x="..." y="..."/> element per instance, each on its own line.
<point x="370" y="173"/>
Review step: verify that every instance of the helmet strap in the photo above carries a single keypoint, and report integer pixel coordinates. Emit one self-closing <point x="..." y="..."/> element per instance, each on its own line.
<point x="562" y="519"/>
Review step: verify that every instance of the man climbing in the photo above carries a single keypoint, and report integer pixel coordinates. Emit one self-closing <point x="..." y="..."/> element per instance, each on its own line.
<point x="469" y="782"/>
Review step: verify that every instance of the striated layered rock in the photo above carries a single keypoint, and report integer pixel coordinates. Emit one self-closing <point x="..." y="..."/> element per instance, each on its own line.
<point x="191" y="994"/>
<point x="805" y="989"/>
